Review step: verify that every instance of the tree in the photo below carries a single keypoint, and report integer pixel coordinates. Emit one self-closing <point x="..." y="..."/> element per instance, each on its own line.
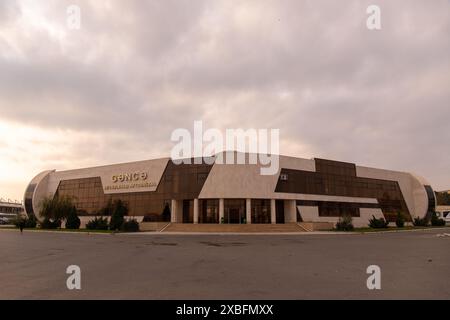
<point x="166" y="213"/>
<point x="400" y="220"/>
<point x="72" y="220"/>
<point x="120" y="210"/>
<point x="56" y="209"/>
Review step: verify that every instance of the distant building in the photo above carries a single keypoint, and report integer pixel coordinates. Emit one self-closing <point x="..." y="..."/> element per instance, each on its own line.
<point x="9" y="209"/>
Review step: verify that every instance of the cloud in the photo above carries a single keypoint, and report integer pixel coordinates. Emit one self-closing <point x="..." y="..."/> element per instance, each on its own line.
<point x="139" y="69"/>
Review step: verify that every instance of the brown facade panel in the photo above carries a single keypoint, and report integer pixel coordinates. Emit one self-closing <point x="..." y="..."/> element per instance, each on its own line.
<point x="179" y="182"/>
<point x="339" y="179"/>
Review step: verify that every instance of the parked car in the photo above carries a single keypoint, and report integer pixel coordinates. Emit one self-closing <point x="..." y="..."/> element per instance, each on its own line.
<point x="446" y="217"/>
<point x="4" y="221"/>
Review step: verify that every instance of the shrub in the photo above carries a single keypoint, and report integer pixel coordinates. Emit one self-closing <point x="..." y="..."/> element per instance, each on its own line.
<point x="31" y="222"/>
<point x="166" y="213"/>
<point x="420" y="222"/>
<point x="130" y="226"/>
<point x="49" y="224"/>
<point x="19" y="221"/>
<point x="436" y="221"/>
<point x="400" y="220"/>
<point x="120" y="210"/>
<point x="345" y="223"/>
<point x="378" y="223"/>
<point x="25" y="221"/>
<point x="57" y="208"/>
<point x="97" y="224"/>
<point x="72" y="220"/>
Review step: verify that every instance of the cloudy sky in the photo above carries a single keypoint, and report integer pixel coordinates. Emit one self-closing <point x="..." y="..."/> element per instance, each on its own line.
<point x="114" y="90"/>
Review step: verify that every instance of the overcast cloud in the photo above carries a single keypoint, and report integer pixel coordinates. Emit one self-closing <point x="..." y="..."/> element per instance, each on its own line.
<point x="114" y="90"/>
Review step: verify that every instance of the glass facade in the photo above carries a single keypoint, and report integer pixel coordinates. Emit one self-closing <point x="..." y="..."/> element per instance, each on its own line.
<point x="431" y="200"/>
<point x="279" y="211"/>
<point x="234" y="211"/>
<point x="188" y="211"/>
<point x="339" y="179"/>
<point x="29" y="198"/>
<point x="260" y="210"/>
<point x="179" y="182"/>
<point x="208" y="211"/>
<point x="337" y="209"/>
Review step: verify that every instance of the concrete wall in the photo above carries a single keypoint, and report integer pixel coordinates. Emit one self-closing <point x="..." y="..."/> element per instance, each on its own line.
<point x="245" y="181"/>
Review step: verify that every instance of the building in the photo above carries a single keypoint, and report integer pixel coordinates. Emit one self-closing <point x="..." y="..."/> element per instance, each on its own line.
<point x="10" y="209"/>
<point x="303" y="190"/>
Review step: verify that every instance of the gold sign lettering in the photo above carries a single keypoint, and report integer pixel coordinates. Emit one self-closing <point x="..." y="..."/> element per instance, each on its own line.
<point x="129" y="177"/>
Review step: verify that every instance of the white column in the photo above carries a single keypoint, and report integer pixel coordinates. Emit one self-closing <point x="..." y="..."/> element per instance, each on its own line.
<point x="221" y="209"/>
<point x="173" y="211"/>
<point x="179" y="211"/>
<point x="195" y="211"/>
<point x="290" y="211"/>
<point x="273" y="215"/>
<point x="248" y="210"/>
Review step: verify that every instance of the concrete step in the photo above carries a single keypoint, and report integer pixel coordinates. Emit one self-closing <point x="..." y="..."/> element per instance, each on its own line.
<point x="152" y="226"/>
<point x="188" y="227"/>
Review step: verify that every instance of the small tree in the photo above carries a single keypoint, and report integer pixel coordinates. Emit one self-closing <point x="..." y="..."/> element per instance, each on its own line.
<point x="20" y="221"/>
<point x="120" y="210"/>
<point x="24" y="221"/>
<point x="56" y="209"/>
<point x="166" y="213"/>
<point x="345" y="223"/>
<point x="72" y="220"/>
<point x="400" y="220"/>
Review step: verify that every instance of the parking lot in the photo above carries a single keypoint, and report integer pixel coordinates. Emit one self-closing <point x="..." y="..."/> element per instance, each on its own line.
<point x="154" y="266"/>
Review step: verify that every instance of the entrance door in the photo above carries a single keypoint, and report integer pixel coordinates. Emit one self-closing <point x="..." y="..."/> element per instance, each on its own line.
<point x="234" y="210"/>
<point x="279" y="209"/>
<point x="234" y="215"/>
<point x="188" y="211"/>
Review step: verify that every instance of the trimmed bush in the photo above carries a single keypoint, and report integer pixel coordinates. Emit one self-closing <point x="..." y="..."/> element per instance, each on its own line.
<point x="378" y="223"/>
<point x="345" y="223"/>
<point x="72" y="220"/>
<point x="420" y="222"/>
<point x="436" y="221"/>
<point x="48" y="224"/>
<point x="400" y="220"/>
<point x="97" y="224"/>
<point x="130" y="226"/>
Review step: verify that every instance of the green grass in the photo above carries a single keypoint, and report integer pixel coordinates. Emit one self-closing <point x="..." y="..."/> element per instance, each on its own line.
<point x="61" y="230"/>
<point x="368" y="229"/>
